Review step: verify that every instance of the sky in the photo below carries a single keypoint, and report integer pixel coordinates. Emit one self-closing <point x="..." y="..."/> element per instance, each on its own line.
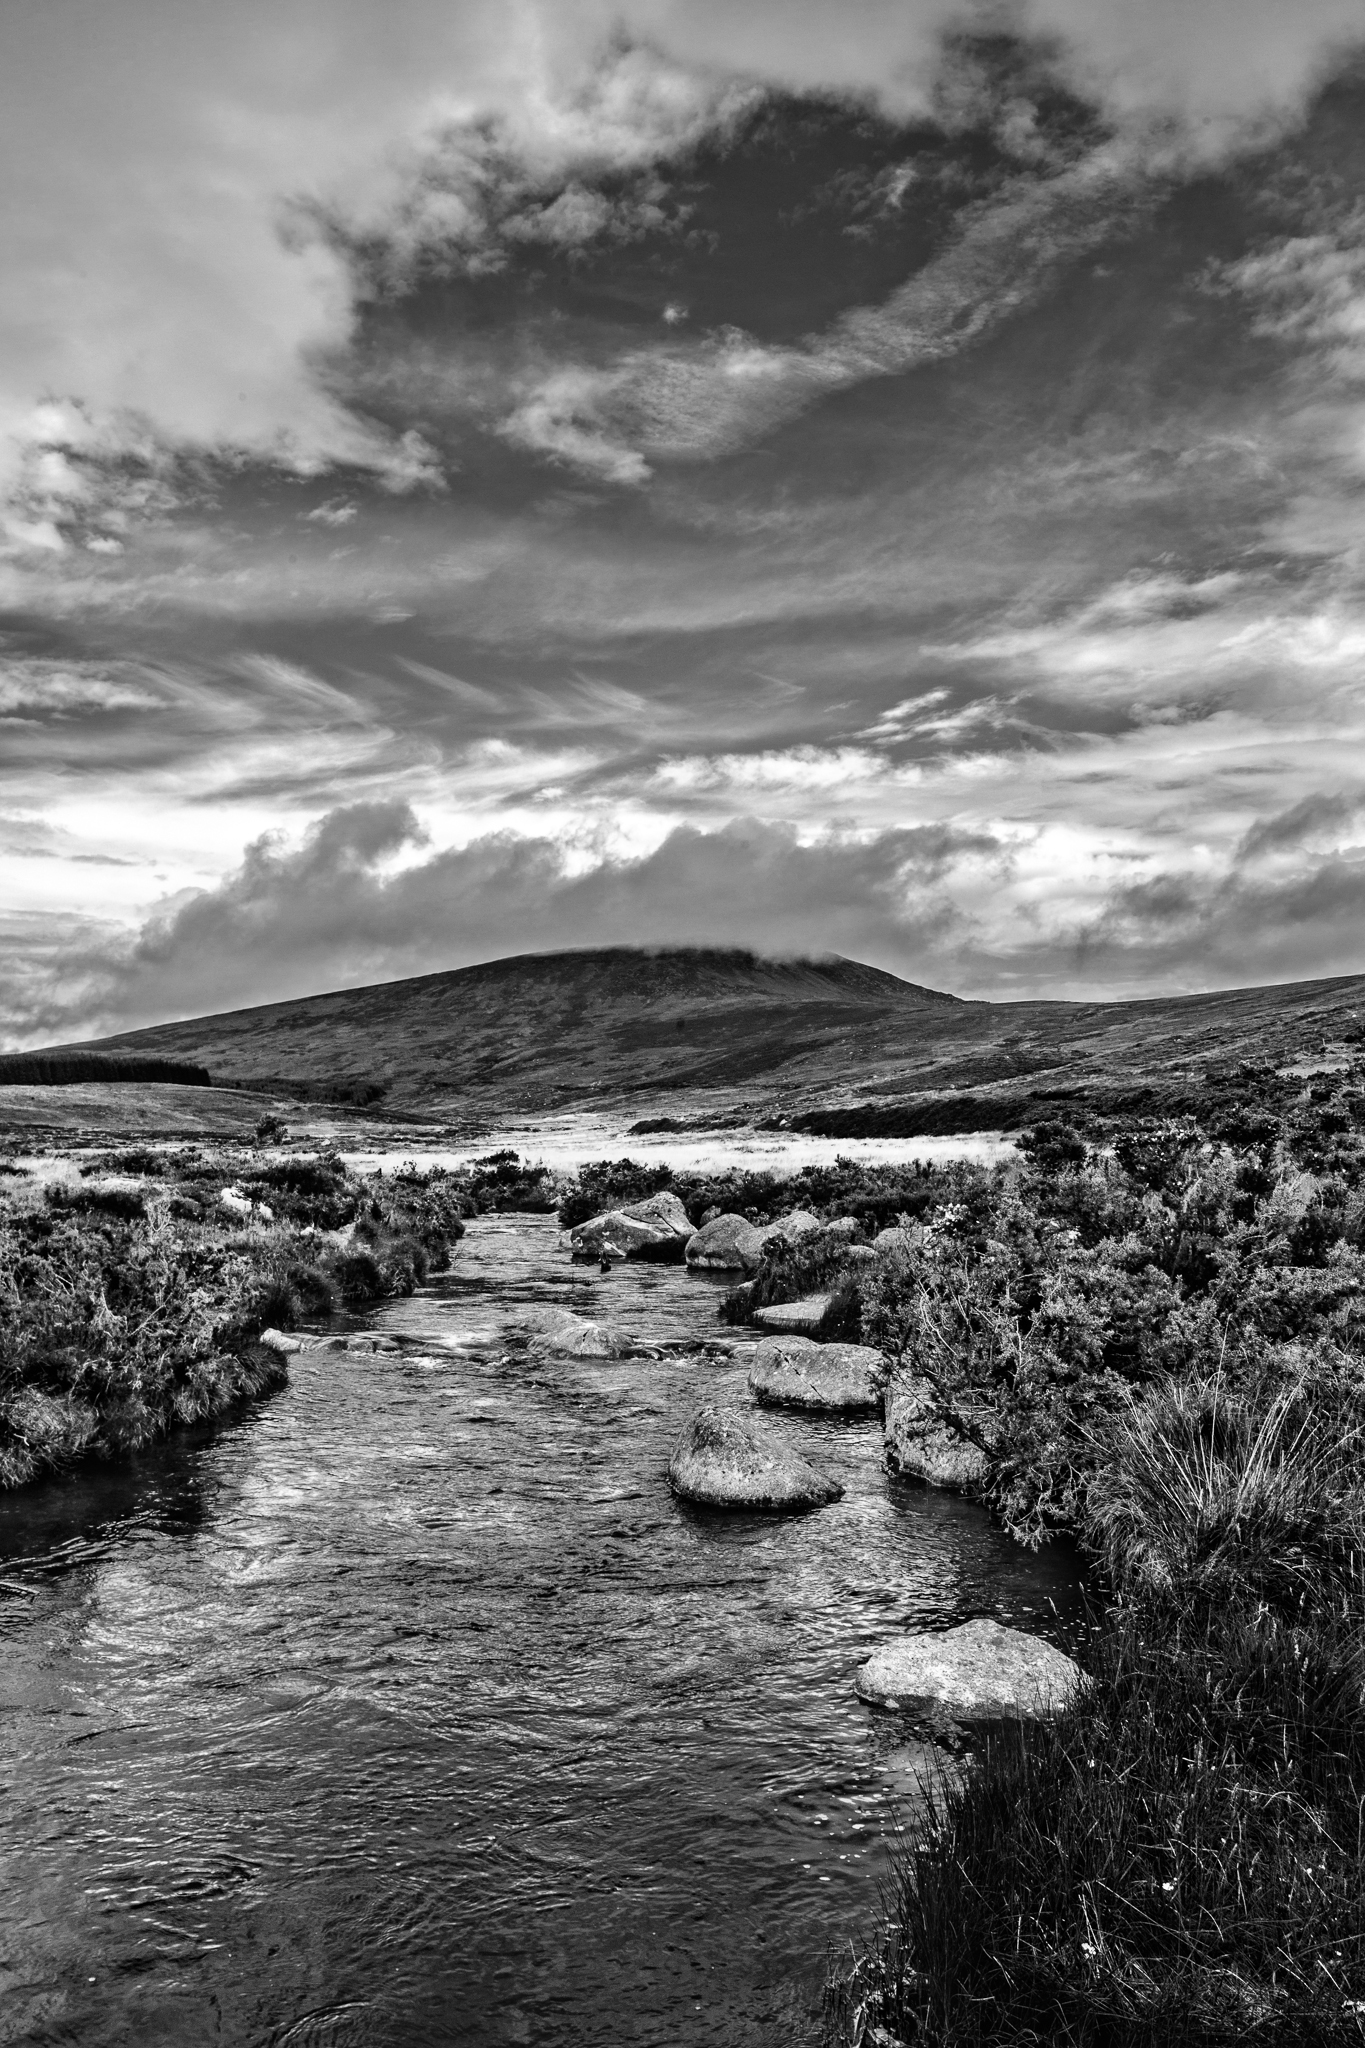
<point x="492" y="476"/>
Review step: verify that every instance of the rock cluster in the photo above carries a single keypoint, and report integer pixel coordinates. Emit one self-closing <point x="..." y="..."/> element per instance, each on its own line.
<point x="731" y="1244"/>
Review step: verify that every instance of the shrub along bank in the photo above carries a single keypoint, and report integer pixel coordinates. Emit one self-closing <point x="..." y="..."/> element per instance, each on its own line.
<point x="1156" y="1342"/>
<point x="130" y="1306"/>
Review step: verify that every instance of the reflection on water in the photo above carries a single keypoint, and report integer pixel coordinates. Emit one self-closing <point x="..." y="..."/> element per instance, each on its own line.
<point x="413" y="1709"/>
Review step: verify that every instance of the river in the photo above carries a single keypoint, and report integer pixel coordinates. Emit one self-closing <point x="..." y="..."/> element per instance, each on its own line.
<point x="411" y="1707"/>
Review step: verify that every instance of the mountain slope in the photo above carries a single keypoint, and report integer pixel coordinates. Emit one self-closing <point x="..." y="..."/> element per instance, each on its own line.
<point x="543" y="1028"/>
<point x="541" y="1031"/>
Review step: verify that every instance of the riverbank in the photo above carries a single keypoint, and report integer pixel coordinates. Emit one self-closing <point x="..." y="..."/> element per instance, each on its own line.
<point x="1154" y="1344"/>
<point x="136" y="1286"/>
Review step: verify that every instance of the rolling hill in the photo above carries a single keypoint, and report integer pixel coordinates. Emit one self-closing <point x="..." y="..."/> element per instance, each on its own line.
<point x="830" y="1043"/>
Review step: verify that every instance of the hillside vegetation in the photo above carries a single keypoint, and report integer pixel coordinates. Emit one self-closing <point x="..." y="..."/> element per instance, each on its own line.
<point x="827" y="1046"/>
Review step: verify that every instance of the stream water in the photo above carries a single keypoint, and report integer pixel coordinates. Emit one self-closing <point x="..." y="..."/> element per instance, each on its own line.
<point x="412" y="1708"/>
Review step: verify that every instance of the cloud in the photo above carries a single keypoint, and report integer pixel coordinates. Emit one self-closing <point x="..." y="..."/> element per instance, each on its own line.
<point x="1230" y="930"/>
<point x="159" y="162"/>
<point x="1312" y="817"/>
<point x="355" y="901"/>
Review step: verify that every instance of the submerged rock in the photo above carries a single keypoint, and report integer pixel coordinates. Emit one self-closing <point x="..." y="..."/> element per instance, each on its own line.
<point x="800" y="1316"/>
<point x="724" y="1459"/>
<point x="567" y="1335"/>
<point x="921" y="1446"/>
<point x="657" y="1225"/>
<point x="981" y="1671"/>
<point x="833" y="1379"/>
<point x="363" y="1343"/>
<point x="281" y="1341"/>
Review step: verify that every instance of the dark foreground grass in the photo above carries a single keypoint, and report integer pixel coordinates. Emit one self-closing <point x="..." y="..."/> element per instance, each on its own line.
<point x="1180" y="1858"/>
<point x="1176" y="1860"/>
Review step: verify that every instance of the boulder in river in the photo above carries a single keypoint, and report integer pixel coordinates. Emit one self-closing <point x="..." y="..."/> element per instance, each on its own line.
<point x="981" y="1671"/>
<point x="657" y="1227"/>
<point x="800" y="1316"/>
<point x="830" y="1379"/>
<point x="725" y="1459"/>
<point x="921" y="1445"/>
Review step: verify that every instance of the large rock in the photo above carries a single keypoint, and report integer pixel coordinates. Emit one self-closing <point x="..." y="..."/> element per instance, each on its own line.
<point x="978" y="1672"/>
<point x="832" y="1379"/>
<point x="732" y="1244"/>
<point x="921" y="1446"/>
<point x="802" y="1317"/>
<point x="724" y="1459"/>
<point x="799" y="1223"/>
<point x="656" y="1224"/>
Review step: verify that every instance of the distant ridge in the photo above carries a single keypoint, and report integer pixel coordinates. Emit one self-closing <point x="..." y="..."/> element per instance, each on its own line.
<point x="832" y="1042"/>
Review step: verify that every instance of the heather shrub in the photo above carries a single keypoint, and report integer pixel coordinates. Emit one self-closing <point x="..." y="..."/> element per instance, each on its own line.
<point x="112" y="1329"/>
<point x="610" y="1184"/>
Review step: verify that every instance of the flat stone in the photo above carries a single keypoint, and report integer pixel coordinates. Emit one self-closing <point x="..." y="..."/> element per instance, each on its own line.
<point x="724" y="1459"/>
<point x="831" y="1379"/>
<point x="659" y="1220"/>
<point x="799" y="1316"/>
<point x="981" y="1671"/>
<point x="921" y="1446"/>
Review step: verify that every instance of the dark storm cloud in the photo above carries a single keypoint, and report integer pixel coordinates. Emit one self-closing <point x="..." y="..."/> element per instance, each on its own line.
<point x="609" y="315"/>
<point x="335" y="910"/>
<point x="1311" y="816"/>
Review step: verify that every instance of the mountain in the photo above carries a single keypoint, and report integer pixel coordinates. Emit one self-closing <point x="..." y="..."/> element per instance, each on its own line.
<point x="682" y="1027"/>
<point x="545" y="1028"/>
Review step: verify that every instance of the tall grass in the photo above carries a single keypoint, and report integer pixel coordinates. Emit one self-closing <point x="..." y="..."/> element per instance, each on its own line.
<point x="1202" y="1490"/>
